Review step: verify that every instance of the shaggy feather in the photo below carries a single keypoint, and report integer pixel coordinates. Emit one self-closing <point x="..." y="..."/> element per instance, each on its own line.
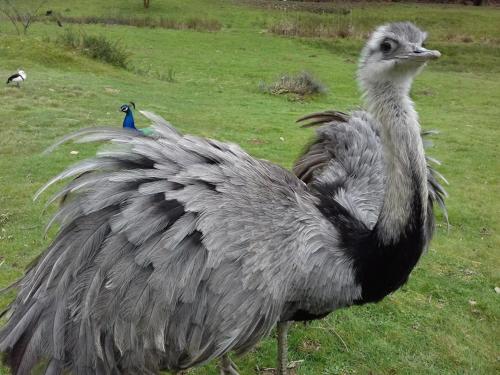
<point x="174" y="250"/>
<point x="135" y="297"/>
<point x="312" y="164"/>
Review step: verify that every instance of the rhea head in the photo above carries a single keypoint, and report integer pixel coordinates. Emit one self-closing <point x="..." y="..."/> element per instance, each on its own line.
<point x="394" y="54"/>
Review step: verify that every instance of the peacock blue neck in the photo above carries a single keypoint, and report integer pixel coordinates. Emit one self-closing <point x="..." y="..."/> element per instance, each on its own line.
<point x="128" y="121"/>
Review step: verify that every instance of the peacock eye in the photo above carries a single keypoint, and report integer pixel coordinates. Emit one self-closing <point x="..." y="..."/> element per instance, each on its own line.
<point x="385" y="46"/>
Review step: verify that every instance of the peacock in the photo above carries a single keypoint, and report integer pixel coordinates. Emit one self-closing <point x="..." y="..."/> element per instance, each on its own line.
<point x="128" y="121"/>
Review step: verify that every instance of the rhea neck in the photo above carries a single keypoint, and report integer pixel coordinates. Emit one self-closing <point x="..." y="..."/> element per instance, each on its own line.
<point x="128" y="121"/>
<point x="405" y="198"/>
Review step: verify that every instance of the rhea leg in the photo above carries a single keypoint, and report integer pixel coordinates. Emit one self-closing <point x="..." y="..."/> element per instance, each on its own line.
<point x="282" y="348"/>
<point x="227" y="366"/>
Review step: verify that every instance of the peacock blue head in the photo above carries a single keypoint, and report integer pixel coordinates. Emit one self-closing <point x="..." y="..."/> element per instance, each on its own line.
<point x="127" y="107"/>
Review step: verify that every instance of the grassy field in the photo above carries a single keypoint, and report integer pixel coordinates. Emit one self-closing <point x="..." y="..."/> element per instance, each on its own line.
<point x="445" y="320"/>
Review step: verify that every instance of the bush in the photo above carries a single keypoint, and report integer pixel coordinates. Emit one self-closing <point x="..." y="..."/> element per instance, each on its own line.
<point x="168" y="75"/>
<point x="194" y="23"/>
<point x="301" y="85"/>
<point x="96" y="47"/>
<point x="202" y="24"/>
<point x="100" y="48"/>
<point x="69" y="39"/>
<point x="310" y="27"/>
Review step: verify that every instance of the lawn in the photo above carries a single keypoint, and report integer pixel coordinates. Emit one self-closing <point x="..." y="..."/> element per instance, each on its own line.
<point x="445" y="320"/>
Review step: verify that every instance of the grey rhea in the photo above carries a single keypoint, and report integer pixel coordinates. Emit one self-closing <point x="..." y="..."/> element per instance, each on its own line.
<point x="389" y="61"/>
<point x="174" y="250"/>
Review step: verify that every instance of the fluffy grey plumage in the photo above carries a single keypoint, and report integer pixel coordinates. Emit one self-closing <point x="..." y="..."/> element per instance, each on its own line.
<point x="168" y="256"/>
<point x="311" y="165"/>
<point x="174" y="250"/>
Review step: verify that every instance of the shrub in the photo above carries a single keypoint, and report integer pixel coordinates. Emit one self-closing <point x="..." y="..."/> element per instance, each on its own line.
<point x="100" y="48"/>
<point x="194" y="23"/>
<point x="312" y="25"/>
<point x="69" y="39"/>
<point x="148" y="71"/>
<point x="96" y="47"/>
<point x="301" y="85"/>
<point x="170" y="75"/>
<point x="201" y="24"/>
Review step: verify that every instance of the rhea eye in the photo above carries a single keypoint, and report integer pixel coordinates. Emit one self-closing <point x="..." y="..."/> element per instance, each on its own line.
<point x="386" y="46"/>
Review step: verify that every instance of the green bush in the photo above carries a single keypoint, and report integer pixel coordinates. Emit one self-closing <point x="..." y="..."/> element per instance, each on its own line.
<point x="97" y="47"/>
<point x="302" y="84"/>
<point x="194" y="23"/>
<point x="313" y="26"/>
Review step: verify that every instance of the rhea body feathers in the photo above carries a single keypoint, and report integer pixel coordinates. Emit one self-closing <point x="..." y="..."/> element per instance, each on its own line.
<point x="174" y="249"/>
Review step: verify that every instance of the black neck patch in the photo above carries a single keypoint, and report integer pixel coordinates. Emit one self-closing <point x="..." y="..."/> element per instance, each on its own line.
<point x="380" y="269"/>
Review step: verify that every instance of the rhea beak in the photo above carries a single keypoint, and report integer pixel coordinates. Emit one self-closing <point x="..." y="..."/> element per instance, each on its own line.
<point x="423" y="54"/>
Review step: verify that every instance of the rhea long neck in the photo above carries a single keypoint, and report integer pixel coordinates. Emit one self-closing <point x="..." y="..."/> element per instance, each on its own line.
<point x="405" y="165"/>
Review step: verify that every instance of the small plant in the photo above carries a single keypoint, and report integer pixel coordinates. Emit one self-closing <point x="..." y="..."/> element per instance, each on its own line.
<point x="69" y="39"/>
<point x="148" y="71"/>
<point x="314" y="26"/>
<point x="96" y="47"/>
<point x="100" y="48"/>
<point x="170" y="75"/>
<point x="194" y="23"/>
<point x="300" y="85"/>
<point x="202" y="24"/>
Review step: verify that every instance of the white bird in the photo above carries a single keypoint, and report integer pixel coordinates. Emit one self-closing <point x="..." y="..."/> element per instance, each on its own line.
<point x="17" y="78"/>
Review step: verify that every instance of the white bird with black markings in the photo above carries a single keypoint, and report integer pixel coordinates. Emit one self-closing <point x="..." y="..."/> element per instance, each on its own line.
<point x="174" y="250"/>
<point x="17" y="78"/>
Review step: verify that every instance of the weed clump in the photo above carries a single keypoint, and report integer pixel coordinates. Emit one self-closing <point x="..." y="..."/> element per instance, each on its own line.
<point x="193" y="23"/>
<point x="313" y="27"/>
<point x="148" y="71"/>
<point x="97" y="47"/>
<point x="298" y="86"/>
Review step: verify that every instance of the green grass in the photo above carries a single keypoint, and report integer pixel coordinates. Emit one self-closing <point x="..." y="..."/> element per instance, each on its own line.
<point x="429" y="326"/>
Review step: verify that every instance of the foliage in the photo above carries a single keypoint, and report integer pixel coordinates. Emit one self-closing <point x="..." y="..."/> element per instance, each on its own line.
<point x="97" y="47"/>
<point x="193" y="23"/>
<point x="302" y="84"/>
<point x="313" y="26"/>
<point x="170" y="77"/>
